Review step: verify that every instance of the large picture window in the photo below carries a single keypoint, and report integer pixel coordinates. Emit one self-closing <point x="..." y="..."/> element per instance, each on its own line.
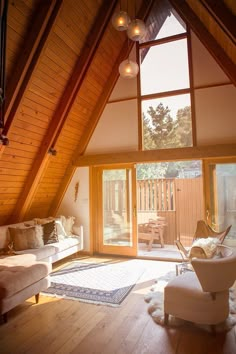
<point x="165" y="88"/>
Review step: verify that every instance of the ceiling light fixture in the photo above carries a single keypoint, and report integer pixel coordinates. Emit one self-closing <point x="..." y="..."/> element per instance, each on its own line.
<point x="120" y="21"/>
<point x="136" y="30"/>
<point x="128" y="69"/>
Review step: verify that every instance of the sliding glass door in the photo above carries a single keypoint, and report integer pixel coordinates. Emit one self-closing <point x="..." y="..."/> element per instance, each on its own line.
<point x="117" y="211"/>
<point x="220" y="187"/>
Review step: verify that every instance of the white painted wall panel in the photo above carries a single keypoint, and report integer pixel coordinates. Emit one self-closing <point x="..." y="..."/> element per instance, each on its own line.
<point x="216" y="115"/>
<point x="80" y="207"/>
<point x="117" y="129"/>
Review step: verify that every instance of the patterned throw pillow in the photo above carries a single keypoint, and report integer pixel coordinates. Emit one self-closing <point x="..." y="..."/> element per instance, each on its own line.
<point x="24" y="238"/>
<point x="49" y="233"/>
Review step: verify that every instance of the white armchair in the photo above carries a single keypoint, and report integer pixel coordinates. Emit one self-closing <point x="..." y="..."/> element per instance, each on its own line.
<point x="202" y="296"/>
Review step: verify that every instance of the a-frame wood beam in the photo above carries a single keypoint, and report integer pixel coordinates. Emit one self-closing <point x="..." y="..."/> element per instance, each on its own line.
<point x="143" y="13"/>
<point x="62" y="111"/>
<point x="42" y="22"/>
<point x="188" y="153"/>
<point x="222" y="14"/>
<point x="206" y="38"/>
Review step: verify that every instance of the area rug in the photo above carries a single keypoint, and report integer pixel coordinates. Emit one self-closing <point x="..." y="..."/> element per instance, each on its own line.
<point x="155" y="298"/>
<point x="97" y="283"/>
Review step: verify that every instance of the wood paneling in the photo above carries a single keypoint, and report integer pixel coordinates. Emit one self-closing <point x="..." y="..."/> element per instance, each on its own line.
<point x="62" y="64"/>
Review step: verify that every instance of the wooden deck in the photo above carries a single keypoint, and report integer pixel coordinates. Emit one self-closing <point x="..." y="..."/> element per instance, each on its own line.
<point x="67" y="326"/>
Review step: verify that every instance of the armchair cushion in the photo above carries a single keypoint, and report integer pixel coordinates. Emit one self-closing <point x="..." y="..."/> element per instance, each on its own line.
<point x="184" y="298"/>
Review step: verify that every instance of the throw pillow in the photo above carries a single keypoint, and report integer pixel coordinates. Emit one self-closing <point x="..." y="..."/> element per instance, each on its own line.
<point x="39" y="221"/>
<point x="26" y="238"/>
<point x="49" y="233"/>
<point x="61" y="233"/>
<point x="68" y="222"/>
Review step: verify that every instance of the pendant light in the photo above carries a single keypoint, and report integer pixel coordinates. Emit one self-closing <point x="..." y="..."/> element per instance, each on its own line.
<point x="136" y="30"/>
<point x="128" y="69"/>
<point x="120" y="20"/>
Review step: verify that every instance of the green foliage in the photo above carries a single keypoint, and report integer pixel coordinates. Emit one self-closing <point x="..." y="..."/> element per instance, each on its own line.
<point x="179" y="169"/>
<point x="162" y="131"/>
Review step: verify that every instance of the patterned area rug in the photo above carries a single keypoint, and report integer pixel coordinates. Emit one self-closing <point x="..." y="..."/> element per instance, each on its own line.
<point x="156" y="310"/>
<point x="97" y="283"/>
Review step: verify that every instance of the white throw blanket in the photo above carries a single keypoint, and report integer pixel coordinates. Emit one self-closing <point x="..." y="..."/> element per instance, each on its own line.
<point x="209" y="245"/>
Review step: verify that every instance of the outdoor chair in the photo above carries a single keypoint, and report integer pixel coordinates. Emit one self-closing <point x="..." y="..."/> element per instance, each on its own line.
<point x="202" y="296"/>
<point x="151" y="231"/>
<point x="203" y="230"/>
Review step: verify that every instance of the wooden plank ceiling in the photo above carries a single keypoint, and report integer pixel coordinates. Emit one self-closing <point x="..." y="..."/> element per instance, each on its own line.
<point x="62" y="60"/>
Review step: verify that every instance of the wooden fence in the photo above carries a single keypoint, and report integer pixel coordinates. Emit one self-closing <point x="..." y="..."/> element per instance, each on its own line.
<point x="180" y="201"/>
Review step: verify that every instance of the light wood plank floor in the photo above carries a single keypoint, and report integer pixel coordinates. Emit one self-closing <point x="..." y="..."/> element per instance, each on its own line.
<point x="66" y="326"/>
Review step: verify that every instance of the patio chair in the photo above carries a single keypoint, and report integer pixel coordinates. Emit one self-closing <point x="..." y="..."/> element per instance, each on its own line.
<point x="203" y="230"/>
<point x="151" y="231"/>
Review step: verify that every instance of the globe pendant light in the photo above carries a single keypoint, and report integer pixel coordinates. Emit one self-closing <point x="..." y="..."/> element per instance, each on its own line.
<point x="128" y="69"/>
<point x="136" y="30"/>
<point x="120" y="21"/>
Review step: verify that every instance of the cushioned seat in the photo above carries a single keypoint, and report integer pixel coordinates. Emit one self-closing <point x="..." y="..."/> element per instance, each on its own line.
<point x="20" y="278"/>
<point x="185" y="299"/>
<point x="203" y="296"/>
<point x="40" y="253"/>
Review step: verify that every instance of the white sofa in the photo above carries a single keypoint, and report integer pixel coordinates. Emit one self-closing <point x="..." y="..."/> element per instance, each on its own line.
<point x="70" y="239"/>
<point x="27" y="251"/>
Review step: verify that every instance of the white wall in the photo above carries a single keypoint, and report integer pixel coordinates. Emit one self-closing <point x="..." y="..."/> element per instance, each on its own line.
<point x="205" y="69"/>
<point x="80" y="207"/>
<point x="215" y="106"/>
<point x="216" y="115"/>
<point x="117" y="130"/>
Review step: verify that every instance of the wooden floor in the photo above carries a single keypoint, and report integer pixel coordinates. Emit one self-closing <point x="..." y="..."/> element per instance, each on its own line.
<point x="67" y="326"/>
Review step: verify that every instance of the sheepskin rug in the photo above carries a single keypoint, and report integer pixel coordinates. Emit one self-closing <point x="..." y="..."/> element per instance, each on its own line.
<point x="154" y="298"/>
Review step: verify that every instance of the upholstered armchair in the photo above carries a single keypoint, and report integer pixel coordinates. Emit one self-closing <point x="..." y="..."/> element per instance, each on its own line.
<point x="202" y="296"/>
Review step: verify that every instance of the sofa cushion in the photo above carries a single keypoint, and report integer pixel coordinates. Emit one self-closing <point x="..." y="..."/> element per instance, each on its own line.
<point x="68" y="222"/>
<point x="26" y="237"/>
<point x="49" y="233"/>
<point x="61" y="232"/>
<point x="66" y="243"/>
<point x="17" y="260"/>
<point x="39" y="253"/>
<point x="38" y="221"/>
<point x="14" y="278"/>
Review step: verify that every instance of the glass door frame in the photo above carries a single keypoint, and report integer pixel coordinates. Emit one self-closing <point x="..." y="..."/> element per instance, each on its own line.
<point x="97" y="212"/>
<point x="208" y="178"/>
